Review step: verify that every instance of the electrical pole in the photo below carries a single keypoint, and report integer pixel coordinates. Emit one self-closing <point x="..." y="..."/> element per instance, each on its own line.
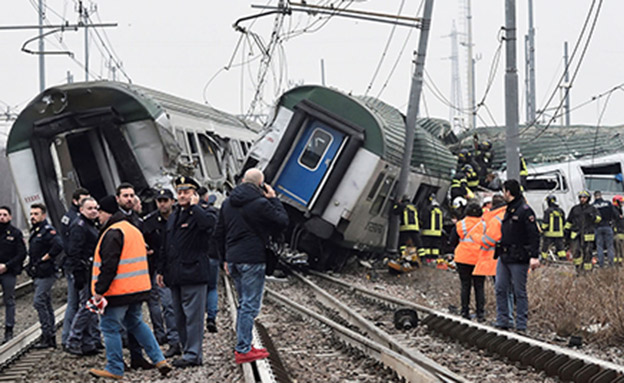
<point x="455" y="111"/>
<point x="82" y="11"/>
<point x="511" y="93"/>
<point x="567" y="84"/>
<point x="41" y="49"/>
<point x="410" y="122"/>
<point x="471" y="82"/>
<point x="531" y="68"/>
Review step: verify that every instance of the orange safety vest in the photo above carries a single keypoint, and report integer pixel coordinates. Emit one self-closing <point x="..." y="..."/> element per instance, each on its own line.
<point x="470" y="230"/>
<point x="486" y="265"/>
<point x="132" y="272"/>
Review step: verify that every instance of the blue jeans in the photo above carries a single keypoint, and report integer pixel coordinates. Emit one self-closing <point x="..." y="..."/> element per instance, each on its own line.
<point x="212" y="298"/>
<point x="72" y="306"/>
<point x="604" y="237"/>
<point x="249" y="282"/>
<point x="43" y="304"/>
<point x="507" y="275"/>
<point x="8" y="280"/>
<point x="111" y="323"/>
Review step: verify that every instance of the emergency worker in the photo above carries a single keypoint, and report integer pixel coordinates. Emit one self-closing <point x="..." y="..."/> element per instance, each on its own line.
<point x="466" y="237"/>
<point x="618" y="227"/>
<point x="120" y="283"/>
<point x="471" y="176"/>
<point x="517" y="250"/>
<point x="163" y="319"/>
<point x="83" y="337"/>
<point x="184" y="267"/>
<point x="431" y="223"/>
<point x="552" y="229"/>
<point x="483" y="158"/>
<point x="579" y="228"/>
<point x="604" y="228"/>
<point x="12" y="255"/>
<point x="44" y="245"/>
<point x="410" y="243"/>
<point x="486" y="205"/>
<point x="486" y="264"/>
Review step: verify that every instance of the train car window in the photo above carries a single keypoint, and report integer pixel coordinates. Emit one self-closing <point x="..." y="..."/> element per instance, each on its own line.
<point x="210" y="157"/>
<point x="192" y="141"/>
<point x="546" y="181"/>
<point x="381" y="196"/>
<point x="373" y="190"/>
<point x="603" y="169"/>
<point x="315" y="149"/>
<point x="604" y="183"/>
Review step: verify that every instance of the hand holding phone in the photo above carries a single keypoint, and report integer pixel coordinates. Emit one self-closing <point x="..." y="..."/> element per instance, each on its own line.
<point x="268" y="190"/>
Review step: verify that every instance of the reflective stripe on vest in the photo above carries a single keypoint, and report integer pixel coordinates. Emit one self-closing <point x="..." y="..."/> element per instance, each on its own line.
<point x="132" y="275"/>
<point x="410" y="219"/>
<point x="555" y="225"/>
<point x="467" y="251"/>
<point x="435" y="225"/>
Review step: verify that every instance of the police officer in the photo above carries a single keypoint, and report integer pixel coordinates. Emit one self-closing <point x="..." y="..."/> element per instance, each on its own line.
<point x="579" y="228"/>
<point x="604" y="228"/>
<point x="83" y="337"/>
<point x="12" y="255"/>
<point x="72" y="293"/>
<point x="517" y="250"/>
<point x="154" y="225"/>
<point x="552" y="229"/>
<point x="183" y="266"/>
<point x="431" y="223"/>
<point x="44" y="245"/>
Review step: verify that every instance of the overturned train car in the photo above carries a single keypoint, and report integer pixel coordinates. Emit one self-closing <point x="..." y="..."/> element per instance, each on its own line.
<point x="334" y="160"/>
<point x="98" y="134"/>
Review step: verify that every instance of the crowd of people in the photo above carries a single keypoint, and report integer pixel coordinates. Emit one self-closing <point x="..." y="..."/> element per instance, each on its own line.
<point x="114" y="260"/>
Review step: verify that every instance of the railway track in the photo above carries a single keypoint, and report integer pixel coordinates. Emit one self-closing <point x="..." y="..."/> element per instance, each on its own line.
<point x="270" y="370"/>
<point x="361" y="334"/>
<point x="564" y="363"/>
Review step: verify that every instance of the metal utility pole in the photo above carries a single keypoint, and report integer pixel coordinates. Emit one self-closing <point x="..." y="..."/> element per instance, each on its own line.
<point x="471" y="82"/>
<point x="530" y="52"/>
<point x="410" y="122"/>
<point x="84" y="15"/>
<point x="41" y="49"/>
<point x="566" y="93"/>
<point x="455" y="112"/>
<point x="511" y="93"/>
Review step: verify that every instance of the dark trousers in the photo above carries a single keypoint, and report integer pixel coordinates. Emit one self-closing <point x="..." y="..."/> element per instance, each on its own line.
<point x="467" y="282"/>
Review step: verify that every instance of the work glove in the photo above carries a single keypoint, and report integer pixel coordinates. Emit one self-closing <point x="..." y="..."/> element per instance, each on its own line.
<point x="97" y="306"/>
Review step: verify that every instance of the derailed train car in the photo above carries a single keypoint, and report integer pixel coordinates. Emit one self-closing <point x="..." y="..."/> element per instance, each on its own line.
<point x="98" y="134"/>
<point x="334" y="159"/>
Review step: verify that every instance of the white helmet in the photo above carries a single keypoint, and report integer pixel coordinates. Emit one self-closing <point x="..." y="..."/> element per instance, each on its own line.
<point x="486" y="200"/>
<point x="459" y="202"/>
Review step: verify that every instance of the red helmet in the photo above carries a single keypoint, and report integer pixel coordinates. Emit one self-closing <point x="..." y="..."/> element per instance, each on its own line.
<point x="618" y="199"/>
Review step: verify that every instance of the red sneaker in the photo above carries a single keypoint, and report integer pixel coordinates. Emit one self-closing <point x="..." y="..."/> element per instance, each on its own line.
<point x="253" y="355"/>
<point x="260" y="350"/>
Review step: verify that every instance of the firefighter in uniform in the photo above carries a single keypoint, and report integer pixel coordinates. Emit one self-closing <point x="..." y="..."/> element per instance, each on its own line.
<point x="431" y="223"/>
<point x="410" y="244"/>
<point x="618" y="228"/>
<point x="471" y="176"/>
<point x="552" y="229"/>
<point x="579" y="228"/>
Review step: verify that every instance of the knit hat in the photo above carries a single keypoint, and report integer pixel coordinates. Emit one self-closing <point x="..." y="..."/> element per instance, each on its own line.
<point x="109" y="204"/>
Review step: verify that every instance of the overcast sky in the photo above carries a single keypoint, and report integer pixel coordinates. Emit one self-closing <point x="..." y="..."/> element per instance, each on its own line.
<point x="177" y="47"/>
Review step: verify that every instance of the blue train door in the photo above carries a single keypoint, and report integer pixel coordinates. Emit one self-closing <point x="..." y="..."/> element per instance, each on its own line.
<point x="309" y="162"/>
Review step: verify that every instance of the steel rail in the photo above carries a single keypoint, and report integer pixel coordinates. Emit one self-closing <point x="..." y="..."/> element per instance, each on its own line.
<point x="403" y="366"/>
<point x="24" y="340"/>
<point x="568" y="364"/>
<point x="378" y="335"/>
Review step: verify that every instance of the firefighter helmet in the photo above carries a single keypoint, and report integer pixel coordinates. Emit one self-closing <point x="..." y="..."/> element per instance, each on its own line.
<point x="618" y="199"/>
<point x="551" y="199"/>
<point x="585" y="194"/>
<point x="463" y="154"/>
<point x="459" y="202"/>
<point x="486" y="145"/>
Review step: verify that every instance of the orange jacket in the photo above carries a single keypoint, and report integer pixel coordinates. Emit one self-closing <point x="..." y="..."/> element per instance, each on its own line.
<point x="470" y="230"/>
<point x="486" y="265"/>
<point x="132" y="271"/>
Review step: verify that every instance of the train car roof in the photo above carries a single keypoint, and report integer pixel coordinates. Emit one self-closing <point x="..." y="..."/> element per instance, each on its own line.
<point x="131" y="102"/>
<point x="555" y="144"/>
<point x="384" y="128"/>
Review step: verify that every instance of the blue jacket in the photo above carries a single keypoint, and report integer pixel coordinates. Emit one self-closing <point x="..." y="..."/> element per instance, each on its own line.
<point x="66" y="222"/>
<point x="83" y="238"/>
<point x="183" y="258"/>
<point x="12" y="248"/>
<point x="243" y="238"/>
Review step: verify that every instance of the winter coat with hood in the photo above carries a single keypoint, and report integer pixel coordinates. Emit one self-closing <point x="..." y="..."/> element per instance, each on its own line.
<point x="246" y="220"/>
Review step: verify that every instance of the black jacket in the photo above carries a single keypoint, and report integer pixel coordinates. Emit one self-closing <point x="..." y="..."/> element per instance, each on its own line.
<point x="66" y="222"/>
<point x="154" y="226"/>
<point x="12" y="248"/>
<point x="110" y="253"/>
<point x="183" y="258"/>
<point x="43" y="240"/>
<point x="83" y="237"/>
<point x="607" y="212"/>
<point x="582" y="219"/>
<point x="520" y="236"/>
<point x="243" y="237"/>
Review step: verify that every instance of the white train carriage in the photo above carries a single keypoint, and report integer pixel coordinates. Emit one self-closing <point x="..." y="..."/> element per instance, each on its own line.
<point x="334" y="159"/>
<point x="98" y="134"/>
